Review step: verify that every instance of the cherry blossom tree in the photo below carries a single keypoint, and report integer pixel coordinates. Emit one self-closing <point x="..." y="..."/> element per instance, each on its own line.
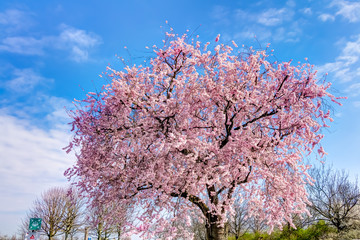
<point x="193" y="128"/>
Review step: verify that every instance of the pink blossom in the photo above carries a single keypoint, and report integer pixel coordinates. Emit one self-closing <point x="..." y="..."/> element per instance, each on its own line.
<point x="195" y="129"/>
<point x="217" y="38"/>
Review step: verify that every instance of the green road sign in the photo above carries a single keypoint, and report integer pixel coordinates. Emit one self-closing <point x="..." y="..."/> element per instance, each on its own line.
<point x="35" y="224"/>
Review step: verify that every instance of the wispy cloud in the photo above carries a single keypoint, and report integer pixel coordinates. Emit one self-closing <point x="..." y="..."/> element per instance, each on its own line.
<point x="77" y="42"/>
<point x="348" y="10"/>
<point x="274" y="23"/>
<point x="346" y="65"/>
<point x="31" y="157"/>
<point x="290" y="34"/>
<point x="354" y="89"/>
<point x="326" y="17"/>
<point x="274" y="17"/>
<point x="32" y="160"/>
<point x="24" y="81"/>
<point x="23" y="45"/>
<point x="12" y="20"/>
<point x="306" y="11"/>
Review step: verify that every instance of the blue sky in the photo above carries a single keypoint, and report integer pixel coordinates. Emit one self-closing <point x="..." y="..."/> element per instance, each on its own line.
<point x="53" y="51"/>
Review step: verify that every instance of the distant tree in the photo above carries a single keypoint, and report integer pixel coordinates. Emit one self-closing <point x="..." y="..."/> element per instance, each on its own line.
<point x="109" y="219"/>
<point x="238" y="221"/>
<point x="191" y="127"/>
<point x="100" y="225"/>
<point x="333" y="197"/>
<point x="6" y="237"/>
<point x="199" y="230"/>
<point x="73" y="213"/>
<point x="257" y="225"/>
<point x="23" y="228"/>
<point x="122" y="216"/>
<point x="50" y="207"/>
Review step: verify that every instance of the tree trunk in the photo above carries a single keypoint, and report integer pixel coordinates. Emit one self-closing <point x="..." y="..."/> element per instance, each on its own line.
<point x="215" y="232"/>
<point x="86" y="233"/>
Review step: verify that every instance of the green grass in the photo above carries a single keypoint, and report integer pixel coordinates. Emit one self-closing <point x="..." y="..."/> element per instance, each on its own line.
<point x="313" y="232"/>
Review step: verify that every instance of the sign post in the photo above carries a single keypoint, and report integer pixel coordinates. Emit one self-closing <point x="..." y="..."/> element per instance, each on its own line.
<point x="33" y="236"/>
<point x="34" y="227"/>
<point x="35" y="224"/>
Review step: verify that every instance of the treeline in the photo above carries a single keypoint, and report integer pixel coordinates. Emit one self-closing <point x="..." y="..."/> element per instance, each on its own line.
<point x="333" y="214"/>
<point x="66" y="215"/>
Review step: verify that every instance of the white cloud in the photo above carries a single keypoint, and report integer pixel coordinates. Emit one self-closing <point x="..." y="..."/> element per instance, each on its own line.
<point x="290" y="34"/>
<point x="348" y="10"/>
<point x="354" y="89"/>
<point x="32" y="160"/>
<point x="274" y="17"/>
<point x="77" y="42"/>
<point x="326" y="17"/>
<point x="23" y="45"/>
<point x="25" y="80"/>
<point x="307" y="11"/>
<point x="79" y="37"/>
<point x="13" y="20"/>
<point x="346" y="65"/>
<point x="272" y="24"/>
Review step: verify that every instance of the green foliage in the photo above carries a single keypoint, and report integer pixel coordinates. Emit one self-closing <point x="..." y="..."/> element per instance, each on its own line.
<point x="314" y="232"/>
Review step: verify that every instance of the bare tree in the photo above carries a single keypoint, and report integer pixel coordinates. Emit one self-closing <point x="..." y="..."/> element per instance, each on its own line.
<point x="6" y="237"/>
<point x="50" y="208"/>
<point x="256" y="225"/>
<point x="99" y="221"/>
<point x="24" y="226"/>
<point x="121" y="216"/>
<point x="109" y="219"/>
<point x="73" y="213"/>
<point x="198" y="228"/>
<point x="238" y="223"/>
<point x="334" y="197"/>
